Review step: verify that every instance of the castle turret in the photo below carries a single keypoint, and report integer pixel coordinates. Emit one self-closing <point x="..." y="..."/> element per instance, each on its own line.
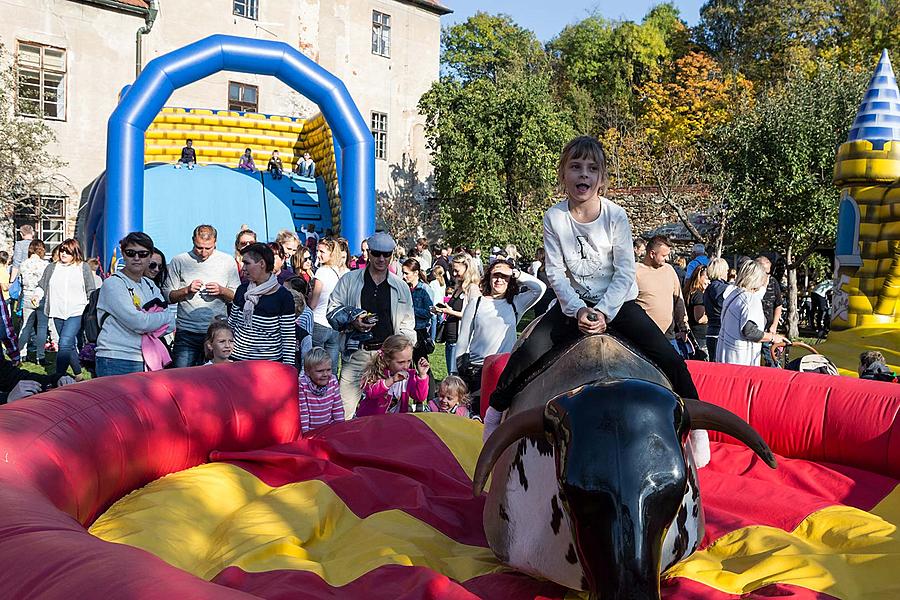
<point x="867" y="276"/>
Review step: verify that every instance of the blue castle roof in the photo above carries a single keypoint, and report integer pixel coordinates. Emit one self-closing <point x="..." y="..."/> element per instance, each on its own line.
<point x="878" y="119"/>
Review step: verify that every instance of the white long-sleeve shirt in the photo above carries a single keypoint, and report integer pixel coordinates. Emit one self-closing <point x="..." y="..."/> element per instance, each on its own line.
<point x="590" y="262"/>
<point x="494" y="321"/>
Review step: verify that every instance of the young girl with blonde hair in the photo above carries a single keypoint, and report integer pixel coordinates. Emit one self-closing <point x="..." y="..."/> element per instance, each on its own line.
<point x="390" y="384"/>
<point x="453" y="397"/>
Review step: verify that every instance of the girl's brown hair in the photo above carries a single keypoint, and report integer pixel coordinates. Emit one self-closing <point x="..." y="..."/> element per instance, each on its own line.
<point x="437" y="274"/>
<point x="456" y="386"/>
<point x="379" y="363"/>
<point x="584" y="147"/>
<point x="72" y="246"/>
<point x="693" y="284"/>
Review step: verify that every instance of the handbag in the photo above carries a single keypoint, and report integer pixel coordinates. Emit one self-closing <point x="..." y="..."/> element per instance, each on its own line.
<point x="15" y="289"/>
<point x="440" y="334"/>
<point x="464" y="361"/>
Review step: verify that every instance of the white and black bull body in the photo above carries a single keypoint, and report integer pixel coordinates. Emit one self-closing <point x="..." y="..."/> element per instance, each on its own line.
<point x="593" y="483"/>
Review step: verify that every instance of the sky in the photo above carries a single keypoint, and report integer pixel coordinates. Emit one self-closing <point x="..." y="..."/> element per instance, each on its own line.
<point x="548" y="17"/>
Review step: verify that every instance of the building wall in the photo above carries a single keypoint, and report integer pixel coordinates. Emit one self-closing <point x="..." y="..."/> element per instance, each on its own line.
<point x="100" y="46"/>
<point x="387" y="85"/>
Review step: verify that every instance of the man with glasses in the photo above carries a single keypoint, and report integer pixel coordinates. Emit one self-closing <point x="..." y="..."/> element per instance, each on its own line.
<point x="201" y="282"/>
<point x="386" y="309"/>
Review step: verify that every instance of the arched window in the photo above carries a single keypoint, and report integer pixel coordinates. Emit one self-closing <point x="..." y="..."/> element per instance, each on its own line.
<point x="847" y="248"/>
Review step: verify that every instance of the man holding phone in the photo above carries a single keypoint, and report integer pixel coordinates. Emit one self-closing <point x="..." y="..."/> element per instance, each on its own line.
<point x="201" y="282"/>
<point x="387" y="303"/>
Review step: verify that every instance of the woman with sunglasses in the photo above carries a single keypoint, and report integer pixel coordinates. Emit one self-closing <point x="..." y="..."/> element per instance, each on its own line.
<point x="488" y="324"/>
<point x="303" y="265"/>
<point x="132" y="313"/>
<point x="67" y="283"/>
<point x="156" y="268"/>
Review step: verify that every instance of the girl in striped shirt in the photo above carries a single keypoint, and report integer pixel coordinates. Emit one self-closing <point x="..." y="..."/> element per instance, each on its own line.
<point x="320" y="393"/>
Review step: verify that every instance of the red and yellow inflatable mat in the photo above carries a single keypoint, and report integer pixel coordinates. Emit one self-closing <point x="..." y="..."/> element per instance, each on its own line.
<point x="381" y="507"/>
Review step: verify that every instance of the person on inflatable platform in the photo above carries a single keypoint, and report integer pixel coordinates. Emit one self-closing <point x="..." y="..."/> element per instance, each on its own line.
<point x="591" y="268"/>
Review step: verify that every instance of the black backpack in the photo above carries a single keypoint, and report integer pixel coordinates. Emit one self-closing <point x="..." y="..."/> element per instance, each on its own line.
<point x="90" y="323"/>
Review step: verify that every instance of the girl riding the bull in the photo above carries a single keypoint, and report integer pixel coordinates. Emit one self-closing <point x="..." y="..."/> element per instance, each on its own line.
<point x="590" y="266"/>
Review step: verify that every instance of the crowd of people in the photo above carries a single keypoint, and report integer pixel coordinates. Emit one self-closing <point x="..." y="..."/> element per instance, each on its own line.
<point x="361" y="327"/>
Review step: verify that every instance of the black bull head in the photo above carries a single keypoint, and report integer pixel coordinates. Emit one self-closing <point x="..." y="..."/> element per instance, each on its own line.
<point x="621" y="470"/>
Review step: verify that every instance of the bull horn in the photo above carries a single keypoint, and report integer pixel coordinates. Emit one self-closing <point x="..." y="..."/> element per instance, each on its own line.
<point x="709" y="416"/>
<point x="529" y="422"/>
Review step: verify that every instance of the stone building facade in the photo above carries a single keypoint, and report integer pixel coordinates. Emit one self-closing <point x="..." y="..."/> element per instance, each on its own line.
<point x="76" y="55"/>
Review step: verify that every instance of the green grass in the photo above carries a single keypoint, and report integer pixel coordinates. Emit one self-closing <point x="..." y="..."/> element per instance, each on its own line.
<point x="50" y="358"/>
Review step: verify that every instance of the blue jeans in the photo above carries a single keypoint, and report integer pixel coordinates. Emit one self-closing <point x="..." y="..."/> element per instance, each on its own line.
<point x="34" y="329"/>
<point x="330" y="340"/>
<point x="450" y="357"/>
<point x="68" y="354"/>
<point x="187" y="350"/>
<point x="118" y="366"/>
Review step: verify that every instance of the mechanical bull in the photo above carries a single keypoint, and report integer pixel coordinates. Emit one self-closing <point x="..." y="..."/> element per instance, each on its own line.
<point x="597" y="488"/>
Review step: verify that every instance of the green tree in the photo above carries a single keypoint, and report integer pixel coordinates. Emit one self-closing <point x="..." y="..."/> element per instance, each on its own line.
<point x="610" y="58"/>
<point x="494" y="130"/>
<point x="486" y="45"/>
<point x="777" y="158"/>
<point x="494" y="149"/>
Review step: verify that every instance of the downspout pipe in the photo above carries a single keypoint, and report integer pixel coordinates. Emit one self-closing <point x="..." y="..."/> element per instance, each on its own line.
<point x="149" y="19"/>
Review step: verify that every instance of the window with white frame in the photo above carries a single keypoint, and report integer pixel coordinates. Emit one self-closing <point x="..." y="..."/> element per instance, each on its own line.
<point x="243" y="97"/>
<point x="41" y="73"/>
<point x="249" y="9"/>
<point x="47" y="214"/>
<point x="379" y="132"/>
<point x="381" y="34"/>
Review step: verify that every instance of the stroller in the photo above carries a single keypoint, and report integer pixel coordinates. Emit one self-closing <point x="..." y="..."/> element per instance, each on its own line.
<point x="809" y="363"/>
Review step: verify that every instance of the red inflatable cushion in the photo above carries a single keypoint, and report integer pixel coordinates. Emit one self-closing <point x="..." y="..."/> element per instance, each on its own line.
<point x="87" y="445"/>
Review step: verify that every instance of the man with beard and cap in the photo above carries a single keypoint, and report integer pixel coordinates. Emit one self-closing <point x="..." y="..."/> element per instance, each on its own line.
<point x="367" y="306"/>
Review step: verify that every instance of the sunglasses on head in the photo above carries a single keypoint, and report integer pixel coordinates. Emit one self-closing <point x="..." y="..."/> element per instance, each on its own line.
<point x="378" y="254"/>
<point x="130" y="253"/>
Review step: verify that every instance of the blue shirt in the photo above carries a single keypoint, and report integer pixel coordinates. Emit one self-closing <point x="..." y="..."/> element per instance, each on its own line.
<point x="421" y="299"/>
<point x="701" y="260"/>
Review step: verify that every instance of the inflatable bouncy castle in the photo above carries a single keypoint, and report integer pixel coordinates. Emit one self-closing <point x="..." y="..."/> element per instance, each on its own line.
<point x="141" y="191"/>
<point x="866" y="306"/>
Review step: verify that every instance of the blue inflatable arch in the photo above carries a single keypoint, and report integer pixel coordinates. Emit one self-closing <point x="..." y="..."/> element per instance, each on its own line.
<point x="145" y="99"/>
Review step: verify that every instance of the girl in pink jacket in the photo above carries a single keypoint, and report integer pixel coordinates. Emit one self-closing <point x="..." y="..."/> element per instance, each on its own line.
<point x="390" y="384"/>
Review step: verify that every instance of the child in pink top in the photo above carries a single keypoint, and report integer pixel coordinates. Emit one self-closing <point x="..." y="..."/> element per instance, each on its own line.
<point x="453" y="397"/>
<point x="390" y="384"/>
<point x="320" y="392"/>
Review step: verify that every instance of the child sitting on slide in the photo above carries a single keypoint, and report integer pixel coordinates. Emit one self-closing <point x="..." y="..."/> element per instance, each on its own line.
<point x="590" y="265"/>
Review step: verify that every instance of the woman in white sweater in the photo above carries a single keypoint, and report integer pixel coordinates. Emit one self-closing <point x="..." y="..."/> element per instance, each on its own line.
<point x="125" y="310"/>
<point x="743" y="321"/>
<point x="67" y="284"/>
<point x="590" y="265"/>
<point x="489" y="322"/>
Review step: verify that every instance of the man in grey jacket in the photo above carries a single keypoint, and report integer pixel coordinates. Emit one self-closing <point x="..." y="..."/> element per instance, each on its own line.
<point x="387" y="302"/>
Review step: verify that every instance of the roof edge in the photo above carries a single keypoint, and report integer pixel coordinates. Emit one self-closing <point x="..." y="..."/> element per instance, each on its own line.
<point x="116" y="6"/>
<point x="432" y="6"/>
